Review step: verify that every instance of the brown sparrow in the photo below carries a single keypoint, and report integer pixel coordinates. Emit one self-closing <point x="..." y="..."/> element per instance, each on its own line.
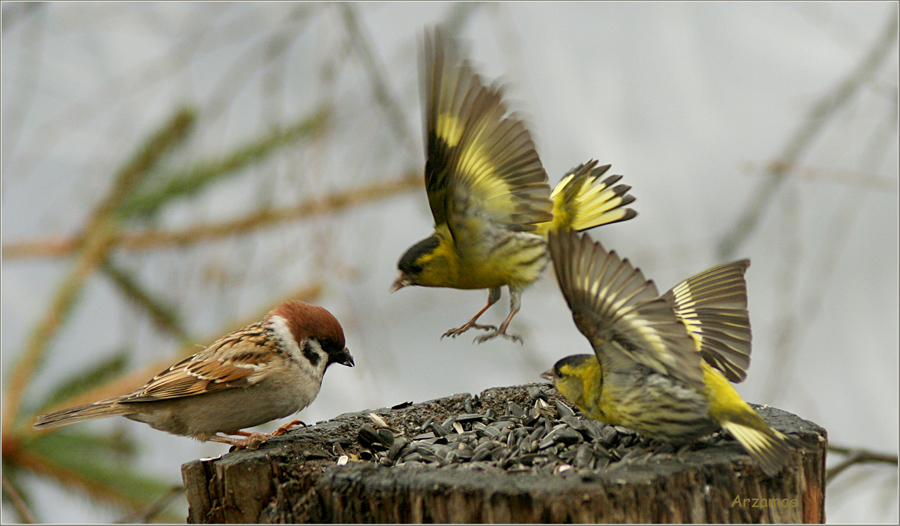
<point x="267" y="370"/>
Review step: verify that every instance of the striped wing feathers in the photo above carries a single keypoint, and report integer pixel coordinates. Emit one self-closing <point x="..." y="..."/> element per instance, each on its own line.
<point x="236" y="360"/>
<point x="481" y="161"/>
<point x="612" y="302"/>
<point x="712" y="305"/>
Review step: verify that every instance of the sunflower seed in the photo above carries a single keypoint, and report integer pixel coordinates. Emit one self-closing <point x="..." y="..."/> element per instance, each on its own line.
<point x="492" y="432"/>
<point x="584" y="456"/>
<point x="501" y="424"/>
<point x="536" y="392"/>
<point x="609" y="436"/>
<point x="367" y="436"/>
<point x="564" y="410"/>
<point x="316" y="454"/>
<point x="568" y="436"/>
<point x="501" y="453"/>
<point x="439" y="430"/>
<point x="424" y="427"/>
<point x="465" y="453"/>
<point x="377" y="420"/>
<point x="411" y="457"/>
<point x="385" y="437"/>
<point x="593" y="429"/>
<point x="397" y="448"/>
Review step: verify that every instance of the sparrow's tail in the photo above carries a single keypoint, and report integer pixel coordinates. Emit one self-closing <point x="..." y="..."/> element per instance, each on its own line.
<point x="581" y="201"/>
<point x="80" y="413"/>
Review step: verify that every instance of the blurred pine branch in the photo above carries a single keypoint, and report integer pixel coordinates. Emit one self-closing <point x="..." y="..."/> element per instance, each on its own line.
<point x="146" y="239"/>
<point x="94" y="245"/>
<point x="161" y="189"/>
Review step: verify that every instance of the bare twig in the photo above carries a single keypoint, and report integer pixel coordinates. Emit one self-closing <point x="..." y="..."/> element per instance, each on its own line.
<point x="116" y="88"/>
<point x="150" y="239"/>
<point x="852" y="178"/>
<point x="372" y="65"/>
<point x="18" y="502"/>
<point x="795" y="323"/>
<point x="818" y="116"/>
<point x="21" y="94"/>
<point x="147" y="514"/>
<point x="857" y="456"/>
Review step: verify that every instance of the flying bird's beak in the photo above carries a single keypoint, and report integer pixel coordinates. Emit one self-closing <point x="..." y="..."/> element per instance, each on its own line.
<point x="402" y="281"/>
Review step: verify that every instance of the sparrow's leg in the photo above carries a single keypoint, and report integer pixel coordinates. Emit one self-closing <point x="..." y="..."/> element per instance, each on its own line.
<point x="515" y="302"/>
<point x="253" y="440"/>
<point x="493" y="296"/>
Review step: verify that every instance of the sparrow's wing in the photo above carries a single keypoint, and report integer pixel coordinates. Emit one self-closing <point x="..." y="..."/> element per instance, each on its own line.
<point x="713" y="307"/>
<point x="619" y="311"/>
<point x="235" y="360"/>
<point x="481" y="163"/>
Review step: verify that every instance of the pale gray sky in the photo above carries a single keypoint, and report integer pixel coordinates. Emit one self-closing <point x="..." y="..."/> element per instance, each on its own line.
<point x="690" y="101"/>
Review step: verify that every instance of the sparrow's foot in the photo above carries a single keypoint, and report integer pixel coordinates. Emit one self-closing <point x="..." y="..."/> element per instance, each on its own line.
<point x="283" y="429"/>
<point x="253" y="440"/>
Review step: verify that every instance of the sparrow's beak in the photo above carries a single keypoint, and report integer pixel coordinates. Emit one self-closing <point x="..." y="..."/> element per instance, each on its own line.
<point x="547" y="375"/>
<point x="402" y="281"/>
<point x="346" y="359"/>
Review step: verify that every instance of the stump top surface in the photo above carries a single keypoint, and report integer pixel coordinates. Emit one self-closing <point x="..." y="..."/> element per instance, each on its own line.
<point x="659" y="481"/>
<point x="315" y="445"/>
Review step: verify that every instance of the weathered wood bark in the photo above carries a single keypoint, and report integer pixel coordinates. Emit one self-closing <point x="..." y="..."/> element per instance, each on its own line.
<point x="295" y="478"/>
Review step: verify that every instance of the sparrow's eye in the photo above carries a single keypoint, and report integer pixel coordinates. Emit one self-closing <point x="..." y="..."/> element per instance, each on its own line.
<point x="312" y="350"/>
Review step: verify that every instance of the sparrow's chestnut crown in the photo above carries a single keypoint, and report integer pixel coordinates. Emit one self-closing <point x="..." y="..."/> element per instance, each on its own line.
<point x="311" y="321"/>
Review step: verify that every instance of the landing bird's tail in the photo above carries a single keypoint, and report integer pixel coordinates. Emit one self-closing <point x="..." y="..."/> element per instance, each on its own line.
<point x="581" y="201"/>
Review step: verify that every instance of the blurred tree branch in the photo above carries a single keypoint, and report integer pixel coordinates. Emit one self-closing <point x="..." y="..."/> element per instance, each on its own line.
<point x="360" y="41"/>
<point x="148" y="201"/>
<point x="150" y="512"/>
<point x="144" y="239"/>
<point x="19" y="503"/>
<point x="92" y="249"/>
<point x="857" y="456"/>
<point x="163" y="316"/>
<point x="802" y="139"/>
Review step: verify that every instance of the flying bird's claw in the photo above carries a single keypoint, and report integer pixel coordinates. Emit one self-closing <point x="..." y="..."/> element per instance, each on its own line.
<point x="453" y="333"/>
<point x="508" y="336"/>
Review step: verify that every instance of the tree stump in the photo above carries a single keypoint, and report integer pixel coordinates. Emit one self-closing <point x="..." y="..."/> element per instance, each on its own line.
<point x="529" y="460"/>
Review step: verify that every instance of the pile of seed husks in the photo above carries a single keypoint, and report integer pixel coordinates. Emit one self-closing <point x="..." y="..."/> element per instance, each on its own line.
<point x="546" y="437"/>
